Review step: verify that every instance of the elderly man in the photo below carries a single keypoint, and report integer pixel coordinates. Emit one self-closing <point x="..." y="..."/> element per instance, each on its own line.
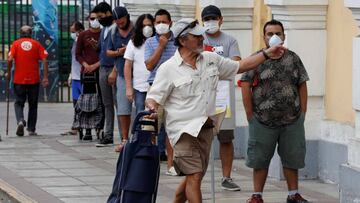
<point x="185" y="86"/>
<point x="26" y="53"/>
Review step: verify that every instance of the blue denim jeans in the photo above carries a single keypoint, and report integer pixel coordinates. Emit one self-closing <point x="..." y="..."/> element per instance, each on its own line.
<point x="31" y="93"/>
<point x="139" y="100"/>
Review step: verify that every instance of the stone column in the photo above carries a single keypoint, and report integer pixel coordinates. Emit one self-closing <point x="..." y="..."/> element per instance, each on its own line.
<point x="305" y="28"/>
<point x="238" y="19"/>
<point x="349" y="182"/>
<point x="177" y="8"/>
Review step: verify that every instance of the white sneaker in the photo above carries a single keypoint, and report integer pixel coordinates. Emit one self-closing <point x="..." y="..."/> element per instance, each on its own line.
<point x="171" y="172"/>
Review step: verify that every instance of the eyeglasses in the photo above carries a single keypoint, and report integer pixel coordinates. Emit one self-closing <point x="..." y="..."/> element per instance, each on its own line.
<point x="92" y="18"/>
<point x="190" y="26"/>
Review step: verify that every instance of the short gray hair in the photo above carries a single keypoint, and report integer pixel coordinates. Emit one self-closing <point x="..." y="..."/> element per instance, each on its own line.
<point x="25" y="31"/>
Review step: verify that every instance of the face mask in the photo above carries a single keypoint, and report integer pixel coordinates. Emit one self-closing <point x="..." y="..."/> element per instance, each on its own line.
<point x="211" y="26"/>
<point x="73" y="36"/>
<point x="106" y="21"/>
<point x="162" y="28"/>
<point x="147" y="31"/>
<point x="275" y="40"/>
<point x="94" y="24"/>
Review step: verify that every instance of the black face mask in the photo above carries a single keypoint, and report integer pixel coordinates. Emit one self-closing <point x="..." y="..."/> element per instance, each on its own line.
<point x="106" y="21"/>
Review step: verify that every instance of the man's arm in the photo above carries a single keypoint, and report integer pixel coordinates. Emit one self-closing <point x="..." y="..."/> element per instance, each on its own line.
<point x="155" y="57"/>
<point x="45" y="80"/>
<point x="79" y="50"/>
<point x="119" y="52"/>
<point x="303" y="96"/>
<point x="94" y="66"/>
<point x="247" y="99"/>
<point x="253" y="61"/>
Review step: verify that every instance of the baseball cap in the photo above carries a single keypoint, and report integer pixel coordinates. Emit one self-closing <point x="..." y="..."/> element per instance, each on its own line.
<point x="119" y="12"/>
<point x="185" y="26"/>
<point x="210" y="11"/>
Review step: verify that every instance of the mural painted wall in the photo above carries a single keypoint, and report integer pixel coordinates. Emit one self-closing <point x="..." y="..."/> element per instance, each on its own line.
<point x="45" y="30"/>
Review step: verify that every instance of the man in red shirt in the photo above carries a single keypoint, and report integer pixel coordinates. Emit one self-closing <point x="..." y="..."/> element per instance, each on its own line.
<point x="27" y="53"/>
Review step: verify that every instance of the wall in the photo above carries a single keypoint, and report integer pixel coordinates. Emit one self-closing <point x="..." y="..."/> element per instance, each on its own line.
<point x="341" y="29"/>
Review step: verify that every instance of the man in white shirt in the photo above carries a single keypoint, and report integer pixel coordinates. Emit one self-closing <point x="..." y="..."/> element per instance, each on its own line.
<point x="185" y="86"/>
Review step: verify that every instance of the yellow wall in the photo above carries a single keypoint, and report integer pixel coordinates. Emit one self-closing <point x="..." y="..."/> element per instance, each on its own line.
<point x="341" y="28"/>
<point x="262" y="14"/>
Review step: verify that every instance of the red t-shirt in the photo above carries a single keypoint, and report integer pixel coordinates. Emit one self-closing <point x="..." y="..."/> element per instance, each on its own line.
<point x="27" y="53"/>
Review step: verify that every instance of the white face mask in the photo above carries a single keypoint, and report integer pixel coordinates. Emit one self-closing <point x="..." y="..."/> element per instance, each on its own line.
<point x="162" y="28"/>
<point x="147" y="31"/>
<point x="94" y="24"/>
<point x="212" y="26"/>
<point x="73" y="36"/>
<point x="275" y="40"/>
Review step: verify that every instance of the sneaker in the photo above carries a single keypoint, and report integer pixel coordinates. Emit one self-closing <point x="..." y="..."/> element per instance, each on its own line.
<point x="163" y="157"/>
<point x="297" y="198"/>
<point x="31" y="133"/>
<point x="228" y="184"/>
<point x="87" y="137"/>
<point x="255" y="199"/>
<point x="105" y="143"/>
<point x="20" y="128"/>
<point x="171" y="172"/>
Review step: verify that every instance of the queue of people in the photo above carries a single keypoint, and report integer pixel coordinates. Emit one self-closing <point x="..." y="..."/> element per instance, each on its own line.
<point x="161" y="65"/>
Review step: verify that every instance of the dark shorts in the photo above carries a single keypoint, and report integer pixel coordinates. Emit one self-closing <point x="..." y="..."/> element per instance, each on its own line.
<point x="225" y="136"/>
<point x="262" y="142"/>
<point x="191" y="154"/>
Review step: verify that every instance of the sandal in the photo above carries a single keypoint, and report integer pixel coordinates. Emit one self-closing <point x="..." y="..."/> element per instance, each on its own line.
<point x="120" y="146"/>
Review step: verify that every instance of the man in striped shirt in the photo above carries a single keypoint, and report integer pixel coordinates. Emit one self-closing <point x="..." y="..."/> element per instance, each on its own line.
<point x="159" y="49"/>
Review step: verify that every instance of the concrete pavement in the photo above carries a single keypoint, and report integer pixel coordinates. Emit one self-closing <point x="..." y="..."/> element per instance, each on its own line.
<point x="54" y="168"/>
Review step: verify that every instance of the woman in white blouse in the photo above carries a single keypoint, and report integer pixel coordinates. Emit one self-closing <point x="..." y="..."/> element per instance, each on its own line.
<point x="135" y="71"/>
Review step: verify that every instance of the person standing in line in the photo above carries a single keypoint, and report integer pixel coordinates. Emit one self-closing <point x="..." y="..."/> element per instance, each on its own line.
<point x="227" y="46"/>
<point x="108" y="90"/>
<point x="74" y="77"/>
<point x="185" y="86"/>
<point x="159" y="49"/>
<point x="120" y="35"/>
<point x="135" y="72"/>
<point x="275" y="101"/>
<point x="26" y="52"/>
<point x="87" y="55"/>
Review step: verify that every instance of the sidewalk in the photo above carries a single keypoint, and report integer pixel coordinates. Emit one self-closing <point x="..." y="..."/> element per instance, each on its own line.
<point x="54" y="168"/>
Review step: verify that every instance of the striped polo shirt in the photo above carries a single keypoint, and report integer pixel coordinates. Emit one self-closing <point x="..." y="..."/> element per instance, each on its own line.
<point x="150" y="46"/>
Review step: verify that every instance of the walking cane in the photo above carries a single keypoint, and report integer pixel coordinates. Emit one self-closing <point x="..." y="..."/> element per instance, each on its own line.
<point x="9" y="64"/>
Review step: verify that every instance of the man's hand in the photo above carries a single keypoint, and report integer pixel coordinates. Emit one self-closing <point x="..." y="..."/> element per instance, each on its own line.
<point x="112" y="78"/>
<point x="121" y="51"/>
<point x="45" y="82"/>
<point x="152" y="105"/>
<point x="163" y="40"/>
<point x="87" y="68"/>
<point x="275" y="52"/>
<point x="130" y="93"/>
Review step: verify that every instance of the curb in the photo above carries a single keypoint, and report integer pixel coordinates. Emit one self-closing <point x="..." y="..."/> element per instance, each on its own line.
<point x="11" y="194"/>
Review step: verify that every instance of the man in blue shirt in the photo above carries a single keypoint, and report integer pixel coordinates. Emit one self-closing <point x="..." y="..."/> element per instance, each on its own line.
<point x="104" y="14"/>
<point x="120" y="35"/>
<point x="159" y="49"/>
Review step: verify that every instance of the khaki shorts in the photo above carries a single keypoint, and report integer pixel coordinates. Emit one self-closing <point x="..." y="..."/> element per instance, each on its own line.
<point x="191" y="154"/>
<point x="290" y="142"/>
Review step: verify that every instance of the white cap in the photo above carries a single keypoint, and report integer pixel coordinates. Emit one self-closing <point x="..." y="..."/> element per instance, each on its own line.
<point x="181" y="28"/>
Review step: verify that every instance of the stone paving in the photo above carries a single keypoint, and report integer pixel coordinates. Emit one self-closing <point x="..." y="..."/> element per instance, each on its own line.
<point x="54" y="168"/>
